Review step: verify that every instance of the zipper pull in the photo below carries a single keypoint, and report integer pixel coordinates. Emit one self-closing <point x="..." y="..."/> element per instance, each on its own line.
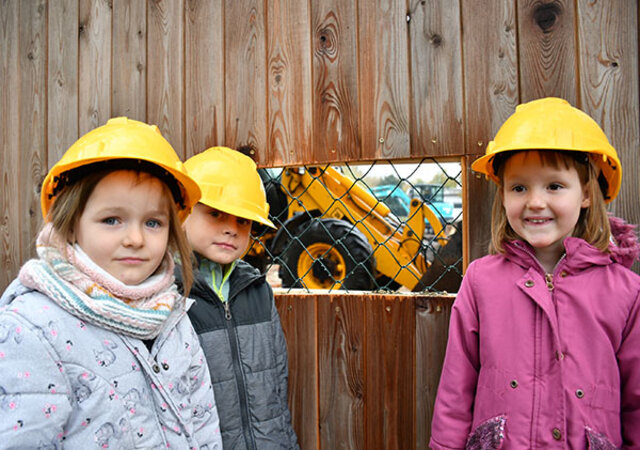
<point x="549" y="279"/>
<point x="227" y="311"/>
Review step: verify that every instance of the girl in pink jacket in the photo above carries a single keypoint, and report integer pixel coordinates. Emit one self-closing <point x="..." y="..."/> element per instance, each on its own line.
<point x="544" y="339"/>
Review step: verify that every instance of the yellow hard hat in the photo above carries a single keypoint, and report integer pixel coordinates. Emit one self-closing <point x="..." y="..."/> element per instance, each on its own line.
<point x="553" y="124"/>
<point x="129" y="141"/>
<point x="230" y="183"/>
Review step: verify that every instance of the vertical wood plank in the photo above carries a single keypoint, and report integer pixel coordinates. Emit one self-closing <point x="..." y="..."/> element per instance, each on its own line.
<point x="436" y="77"/>
<point x="165" y="84"/>
<point x="389" y="368"/>
<point x="10" y="245"/>
<point x="33" y="110"/>
<point x="547" y="50"/>
<point x="204" y="75"/>
<point x="383" y="65"/>
<point x="340" y="371"/>
<point x="62" y="78"/>
<point x="299" y="322"/>
<point x="245" y="78"/>
<point x="94" y="99"/>
<point x="432" y="331"/>
<point x="491" y="91"/>
<point x="490" y="62"/>
<point x="609" y="88"/>
<point x="335" y="79"/>
<point x="129" y="66"/>
<point x="289" y="92"/>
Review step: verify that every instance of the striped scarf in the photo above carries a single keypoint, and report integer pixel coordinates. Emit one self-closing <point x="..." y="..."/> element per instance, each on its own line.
<point x="69" y="277"/>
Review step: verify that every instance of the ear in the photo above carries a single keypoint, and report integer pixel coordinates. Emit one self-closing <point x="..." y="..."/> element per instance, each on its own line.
<point x="586" y="198"/>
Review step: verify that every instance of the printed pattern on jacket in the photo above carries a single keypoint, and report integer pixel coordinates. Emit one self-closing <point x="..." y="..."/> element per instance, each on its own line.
<point x="67" y="383"/>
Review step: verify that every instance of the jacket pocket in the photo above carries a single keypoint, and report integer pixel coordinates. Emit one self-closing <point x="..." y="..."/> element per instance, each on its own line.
<point x="598" y="441"/>
<point x="489" y="435"/>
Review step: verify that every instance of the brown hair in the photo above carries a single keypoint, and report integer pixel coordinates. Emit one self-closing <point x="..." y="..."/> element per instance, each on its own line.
<point x="593" y="222"/>
<point x="69" y="205"/>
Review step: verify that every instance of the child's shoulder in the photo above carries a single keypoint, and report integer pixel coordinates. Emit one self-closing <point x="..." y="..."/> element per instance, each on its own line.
<point x="28" y="302"/>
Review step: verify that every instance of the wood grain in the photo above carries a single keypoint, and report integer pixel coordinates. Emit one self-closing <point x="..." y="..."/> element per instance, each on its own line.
<point x="62" y="78"/>
<point x="94" y="57"/>
<point x="335" y="80"/>
<point x="33" y="110"/>
<point x="10" y="211"/>
<point x="436" y="78"/>
<point x="245" y="76"/>
<point x="383" y="63"/>
<point x="204" y="75"/>
<point x="290" y="89"/>
<point x="432" y="330"/>
<point x="547" y="50"/>
<point x="129" y="64"/>
<point x="299" y="322"/>
<point x="389" y="367"/>
<point x="165" y="83"/>
<point x="341" y="371"/>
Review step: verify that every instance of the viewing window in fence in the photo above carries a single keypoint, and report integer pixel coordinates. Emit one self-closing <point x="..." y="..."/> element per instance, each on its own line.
<point x="375" y="226"/>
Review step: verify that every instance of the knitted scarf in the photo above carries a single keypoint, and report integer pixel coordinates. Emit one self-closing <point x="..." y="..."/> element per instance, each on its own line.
<point x="71" y="279"/>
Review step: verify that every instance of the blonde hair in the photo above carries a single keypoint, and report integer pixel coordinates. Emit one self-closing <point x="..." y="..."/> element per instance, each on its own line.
<point x="593" y="222"/>
<point x="69" y="205"/>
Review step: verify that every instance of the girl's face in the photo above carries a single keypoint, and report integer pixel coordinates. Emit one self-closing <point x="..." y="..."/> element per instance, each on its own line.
<point x="124" y="228"/>
<point x="216" y="235"/>
<point x="542" y="203"/>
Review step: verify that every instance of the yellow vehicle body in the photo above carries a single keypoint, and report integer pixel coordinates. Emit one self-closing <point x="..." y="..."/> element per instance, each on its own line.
<point x="398" y="247"/>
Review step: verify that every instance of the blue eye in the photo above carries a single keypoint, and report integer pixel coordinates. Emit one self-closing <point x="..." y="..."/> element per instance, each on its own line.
<point x="153" y="223"/>
<point x="110" y="221"/>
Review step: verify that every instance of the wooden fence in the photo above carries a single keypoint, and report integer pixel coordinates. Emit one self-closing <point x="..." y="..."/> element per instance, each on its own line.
<point x="364" y="369"/>
<point x="314" y="81"/>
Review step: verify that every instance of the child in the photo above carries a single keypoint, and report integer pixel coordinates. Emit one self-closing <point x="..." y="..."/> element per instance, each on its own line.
<point x="96" y="349"/>
<point x="544" y="340"/>
<point x="235" y="315"/>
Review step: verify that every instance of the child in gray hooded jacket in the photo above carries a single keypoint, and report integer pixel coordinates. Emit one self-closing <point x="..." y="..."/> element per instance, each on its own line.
<point x="96" y="349"/>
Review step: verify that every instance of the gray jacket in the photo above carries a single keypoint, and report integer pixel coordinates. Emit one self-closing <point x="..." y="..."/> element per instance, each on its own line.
<point x="247" y="356"/>
<point x="67" y="383"/>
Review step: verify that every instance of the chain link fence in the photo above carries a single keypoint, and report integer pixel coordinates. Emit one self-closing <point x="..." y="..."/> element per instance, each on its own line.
<point x="382" y="226"/>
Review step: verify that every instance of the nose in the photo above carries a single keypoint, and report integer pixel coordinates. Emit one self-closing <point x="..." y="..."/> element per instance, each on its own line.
<point x="231" y="225"/>
<point x="133" y="237"/>
<point x="535" y="199"/>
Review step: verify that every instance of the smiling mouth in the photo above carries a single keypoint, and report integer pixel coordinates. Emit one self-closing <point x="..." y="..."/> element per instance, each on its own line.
<point x="537" y="221"/>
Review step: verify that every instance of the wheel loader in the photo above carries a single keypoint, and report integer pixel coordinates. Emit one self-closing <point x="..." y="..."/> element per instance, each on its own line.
<point x="335" y="234"/>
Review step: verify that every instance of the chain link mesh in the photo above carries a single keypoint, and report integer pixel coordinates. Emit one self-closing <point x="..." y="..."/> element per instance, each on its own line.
<point x="381" y="226"/>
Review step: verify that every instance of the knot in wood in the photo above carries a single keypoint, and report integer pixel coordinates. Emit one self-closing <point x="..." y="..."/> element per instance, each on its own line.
<point x="545" y="15"/>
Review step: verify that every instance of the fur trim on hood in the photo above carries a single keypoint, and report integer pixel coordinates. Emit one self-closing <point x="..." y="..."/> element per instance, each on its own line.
<point x="624" y="247"/>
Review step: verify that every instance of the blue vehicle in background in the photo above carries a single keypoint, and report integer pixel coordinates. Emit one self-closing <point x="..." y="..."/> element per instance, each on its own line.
<point x="433" y="195"/>
<point x="399" y="201"/>
<point x="394" y="197"/>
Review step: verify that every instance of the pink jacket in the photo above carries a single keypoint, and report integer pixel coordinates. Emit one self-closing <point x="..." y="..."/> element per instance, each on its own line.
<point x="537" y="361"/>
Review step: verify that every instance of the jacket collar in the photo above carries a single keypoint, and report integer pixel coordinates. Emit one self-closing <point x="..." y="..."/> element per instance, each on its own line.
<point x="579" y="255"/>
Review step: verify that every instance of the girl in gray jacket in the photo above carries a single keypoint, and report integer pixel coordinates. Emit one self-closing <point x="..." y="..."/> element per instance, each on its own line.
<point x="96" y="349"/>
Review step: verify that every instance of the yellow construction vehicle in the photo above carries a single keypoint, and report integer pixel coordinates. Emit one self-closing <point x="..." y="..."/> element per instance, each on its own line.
<point x="334" y="233"/>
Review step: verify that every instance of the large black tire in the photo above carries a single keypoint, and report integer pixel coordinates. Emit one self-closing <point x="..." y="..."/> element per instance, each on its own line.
<point x="328" y="254"/>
